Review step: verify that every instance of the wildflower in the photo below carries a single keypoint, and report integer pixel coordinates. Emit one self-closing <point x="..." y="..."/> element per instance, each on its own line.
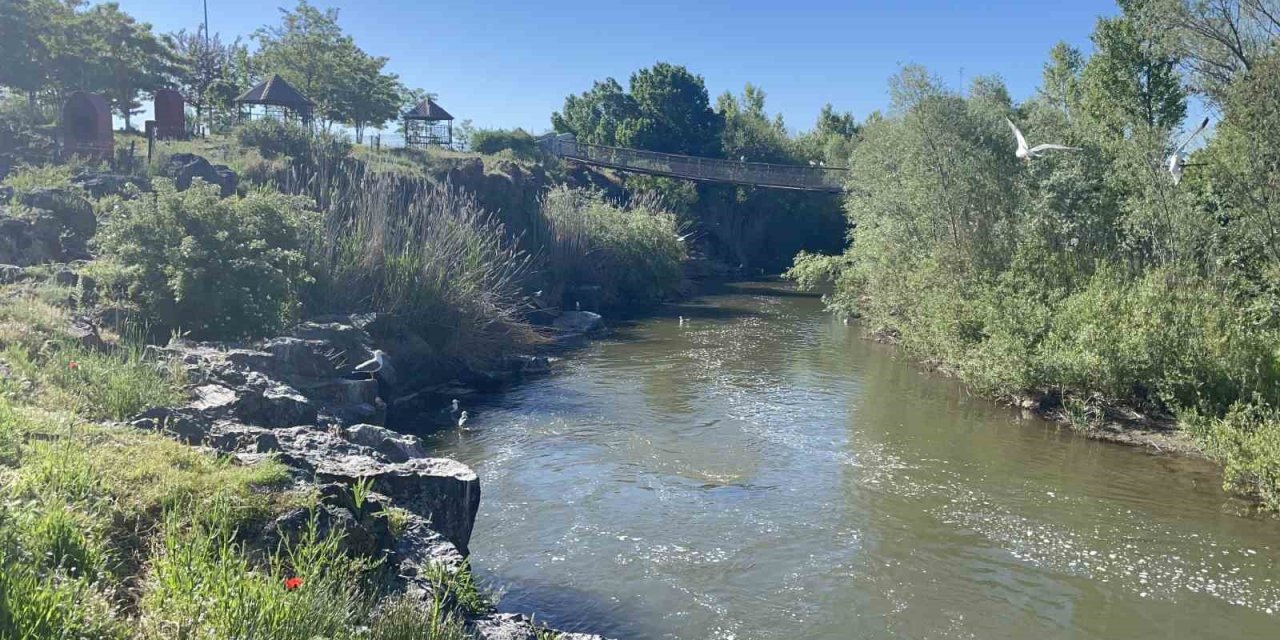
<point x="292" y="583"/>
<point x="73" y="365"/>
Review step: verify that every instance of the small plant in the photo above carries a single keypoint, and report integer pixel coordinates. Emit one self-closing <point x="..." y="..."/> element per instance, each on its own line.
<point x="360" y="490"/>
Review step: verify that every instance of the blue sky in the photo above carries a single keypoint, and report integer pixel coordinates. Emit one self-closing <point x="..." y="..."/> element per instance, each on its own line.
<point x="508" y="63"/>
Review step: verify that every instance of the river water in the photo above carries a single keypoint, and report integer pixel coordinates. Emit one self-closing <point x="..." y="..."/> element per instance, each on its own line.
<point x="764" y="472"/>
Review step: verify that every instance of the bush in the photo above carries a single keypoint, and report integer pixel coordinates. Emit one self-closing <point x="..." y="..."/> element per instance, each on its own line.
<point x="218" y="268"/>
<point x="275" y="138"/>
<point x="518" y="141"/>
<point x="633" y="254"/>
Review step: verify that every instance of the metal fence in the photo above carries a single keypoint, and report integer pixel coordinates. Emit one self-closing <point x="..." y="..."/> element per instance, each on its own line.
<point x="762" y="174"/>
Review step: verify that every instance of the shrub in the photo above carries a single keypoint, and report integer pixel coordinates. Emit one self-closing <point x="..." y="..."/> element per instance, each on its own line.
<point x="275" y="138"/>
<point x="219" y="268"/>
<point x="518" y="141"/>
<point x="633" y="254"/>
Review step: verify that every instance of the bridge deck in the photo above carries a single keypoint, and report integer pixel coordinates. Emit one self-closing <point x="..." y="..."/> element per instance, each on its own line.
<point x="760" y="174"/>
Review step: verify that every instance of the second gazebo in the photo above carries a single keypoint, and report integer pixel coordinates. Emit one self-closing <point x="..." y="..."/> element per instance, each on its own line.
<point x="428" y="124"/>
<point x="278" y="100"/>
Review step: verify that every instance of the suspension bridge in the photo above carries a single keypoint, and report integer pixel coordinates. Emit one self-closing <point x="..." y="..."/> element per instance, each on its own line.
<point x="757" y="174"/>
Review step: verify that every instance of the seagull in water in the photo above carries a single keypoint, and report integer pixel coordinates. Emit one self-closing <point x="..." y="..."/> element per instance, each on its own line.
<point x="462" y="421"/>
<point x="372" y="365"/>
<point x="1027" y="154"/>
<point x="1178" y="159"/>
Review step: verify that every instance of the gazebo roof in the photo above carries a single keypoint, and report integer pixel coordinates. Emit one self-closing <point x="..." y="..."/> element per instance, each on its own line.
<point x="276" y="92"/>
<point x="428" y="110"/>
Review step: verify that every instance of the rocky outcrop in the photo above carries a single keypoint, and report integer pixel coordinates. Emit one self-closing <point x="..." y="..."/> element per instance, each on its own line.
<point x="47" y="225"/>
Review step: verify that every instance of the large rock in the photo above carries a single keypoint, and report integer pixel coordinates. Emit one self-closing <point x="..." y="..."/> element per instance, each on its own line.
<point x="73" y="214"/>
<point x="395" y="446"/>
<point x="579" y="322"/>
<point x="184" y="168"/>
<point x="444" y="491"/>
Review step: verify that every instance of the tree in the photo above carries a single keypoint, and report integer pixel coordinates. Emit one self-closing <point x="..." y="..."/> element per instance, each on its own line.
<point x="130" y="58"/>
<point x="25" y="26"/>
<point x="597" y="116"/>
<point x="1132" y="79"/>
<point x="675" y="112"/>
<point x="309" y="50"/>
<point x="1218" y="39"/>
<point x="207" y="66"/>
<point x="1060" y="87"/>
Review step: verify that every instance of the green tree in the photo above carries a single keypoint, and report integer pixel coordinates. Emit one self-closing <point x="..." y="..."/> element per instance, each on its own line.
<point x="1060" y="84"/>
<point x="597" y="116"/>
<point x="675" y="112"/>
<point x="130" y="58"/>
<point x="1132" y="80"/>
<point x="206" y="77"/>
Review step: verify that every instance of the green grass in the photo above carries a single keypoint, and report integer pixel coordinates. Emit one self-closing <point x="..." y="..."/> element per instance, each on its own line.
<point x="113" y="383"/>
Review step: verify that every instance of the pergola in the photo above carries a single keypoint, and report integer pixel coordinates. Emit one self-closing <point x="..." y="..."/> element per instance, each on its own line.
<point x="428" y="124"/>
<point x="278" y="99"/>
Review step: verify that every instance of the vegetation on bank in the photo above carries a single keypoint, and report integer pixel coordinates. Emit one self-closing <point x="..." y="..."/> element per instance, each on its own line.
<point x="1088" y="276"/>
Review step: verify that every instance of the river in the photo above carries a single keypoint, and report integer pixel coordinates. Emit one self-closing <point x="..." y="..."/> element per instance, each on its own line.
<point x="763" y="471"/>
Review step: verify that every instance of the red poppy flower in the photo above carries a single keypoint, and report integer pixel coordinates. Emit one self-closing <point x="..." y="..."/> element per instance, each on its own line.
<point x="292" y="583"/>
<point x="73" y="365"/>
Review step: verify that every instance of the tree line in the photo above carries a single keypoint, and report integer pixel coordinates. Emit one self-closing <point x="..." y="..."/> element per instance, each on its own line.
<point x="50" y="48"/>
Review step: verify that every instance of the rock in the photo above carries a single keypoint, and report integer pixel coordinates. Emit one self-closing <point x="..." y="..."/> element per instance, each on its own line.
<point x="295" y="525"/>
<point x="74" y="215"/>
<point x="276" y="405"/>
<point x="299" y="357"/>
<point x="396" y="447"/>
<point x="11" y="273"/>
<point x="444" y="491"/>
<point x="186" y="425"/>
<point x="227" y="179"/>
<point x="579" y="322"/>
<point x="100" y="185"/>
<point x="186" y="167"/>
<point x="83" y="331"/>
<point x="230" y="437"/>
<point x="66" y="277"/>
<point x="517" y="626"/>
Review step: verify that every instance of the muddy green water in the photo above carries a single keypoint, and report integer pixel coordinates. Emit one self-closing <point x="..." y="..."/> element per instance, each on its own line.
<point x="764" y="472"/>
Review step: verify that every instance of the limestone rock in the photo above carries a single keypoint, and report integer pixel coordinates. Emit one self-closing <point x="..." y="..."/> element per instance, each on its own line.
<point x="396" y="447"/>
<point x="444" y="491"/>
<point x="579" y="322"/>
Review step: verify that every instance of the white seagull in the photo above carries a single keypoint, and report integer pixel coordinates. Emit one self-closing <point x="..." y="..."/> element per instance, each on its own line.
<point x="462" y="421"/>
<point x="1178" y="159"/>
<point x="682" y="238"/>
<point x="372" y="365"/>
<point x="1026" y="154"/>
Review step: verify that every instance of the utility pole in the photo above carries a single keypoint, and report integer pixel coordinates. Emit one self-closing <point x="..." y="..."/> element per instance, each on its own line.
<point x="207" y="104"/>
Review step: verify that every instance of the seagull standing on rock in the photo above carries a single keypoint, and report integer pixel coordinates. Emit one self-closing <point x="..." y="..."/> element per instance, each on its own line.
<point x="372" y="365"/>
<point x="1178" y="159"/>
<point x="1026" y="154"/>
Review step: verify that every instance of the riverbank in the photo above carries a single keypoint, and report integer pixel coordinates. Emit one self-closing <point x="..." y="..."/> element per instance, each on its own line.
<point x="142" y="308"/>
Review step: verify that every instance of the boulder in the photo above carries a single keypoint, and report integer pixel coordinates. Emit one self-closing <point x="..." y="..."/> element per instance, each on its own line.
<point x="185" y="425"/>
<point x="99" y="184"/>
<point x="396" y="447"/>
<point x="583" y="322"/>
<point x="11" y="273"/>
<point x="275" y="405"/>
<point x="298" y="357"/>
<point x="73" y="215"/>
<point x="444" y="491"/>
<point x="231" y="437"/>
<point x="227" y="179"/>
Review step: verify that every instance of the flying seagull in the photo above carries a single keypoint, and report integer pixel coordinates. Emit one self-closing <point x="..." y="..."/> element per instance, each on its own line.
<point x="1178" y="159"/>
<point x="372" y="365"/>
<point x="1025" y="154"/>
<point x="682" y="238"/>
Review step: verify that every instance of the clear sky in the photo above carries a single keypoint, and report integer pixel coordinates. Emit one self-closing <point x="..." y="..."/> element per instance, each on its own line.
<point x="509" y="63"/>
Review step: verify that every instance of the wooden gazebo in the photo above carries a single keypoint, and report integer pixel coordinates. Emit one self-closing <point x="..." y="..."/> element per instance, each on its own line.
<point x="278" y="99"/>
<point x="428" y="124"/>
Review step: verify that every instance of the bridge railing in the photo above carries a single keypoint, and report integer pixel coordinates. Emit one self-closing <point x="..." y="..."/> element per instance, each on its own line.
<point x="696" y="168"/>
